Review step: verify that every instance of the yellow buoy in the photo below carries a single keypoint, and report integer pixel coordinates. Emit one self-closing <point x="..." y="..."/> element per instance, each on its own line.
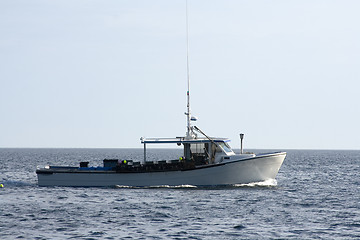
<point x="1" y="185"/>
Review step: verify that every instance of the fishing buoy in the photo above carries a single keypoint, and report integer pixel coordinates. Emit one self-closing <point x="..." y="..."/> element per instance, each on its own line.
<point x="125" y="161"/>
<point x="1" y="185"/>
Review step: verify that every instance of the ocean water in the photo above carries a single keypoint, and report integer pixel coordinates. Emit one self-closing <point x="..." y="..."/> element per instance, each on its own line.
<point x="315" y="196"/>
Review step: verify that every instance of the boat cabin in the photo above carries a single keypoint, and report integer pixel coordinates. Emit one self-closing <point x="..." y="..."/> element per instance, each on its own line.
<point x="200" y="151"/>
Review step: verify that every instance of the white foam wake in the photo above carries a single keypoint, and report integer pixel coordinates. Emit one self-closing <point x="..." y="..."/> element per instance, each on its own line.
<point x="266" y="183"/>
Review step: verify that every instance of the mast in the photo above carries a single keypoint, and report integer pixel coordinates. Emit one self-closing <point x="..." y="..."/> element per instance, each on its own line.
<point x="188" y="113"/>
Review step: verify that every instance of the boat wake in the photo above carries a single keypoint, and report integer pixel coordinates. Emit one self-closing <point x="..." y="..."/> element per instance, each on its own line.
<point x="266" y="183"/>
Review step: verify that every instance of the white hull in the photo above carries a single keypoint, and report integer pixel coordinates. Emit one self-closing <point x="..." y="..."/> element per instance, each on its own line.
<point x="253" y="169"/>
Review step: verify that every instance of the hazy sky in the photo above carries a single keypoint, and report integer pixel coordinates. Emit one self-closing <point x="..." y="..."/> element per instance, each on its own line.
<point x="104" y="73"/>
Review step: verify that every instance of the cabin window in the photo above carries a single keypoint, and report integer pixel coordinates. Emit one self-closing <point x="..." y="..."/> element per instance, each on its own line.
<point x="225" y="147"/>
<point x="197" y="147"/>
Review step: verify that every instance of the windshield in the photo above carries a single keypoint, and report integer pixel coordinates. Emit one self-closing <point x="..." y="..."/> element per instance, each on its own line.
<point x="225" y="147"/>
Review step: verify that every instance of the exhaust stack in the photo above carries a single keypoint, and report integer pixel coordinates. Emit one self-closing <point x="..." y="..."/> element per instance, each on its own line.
<point x="241" y="142"/>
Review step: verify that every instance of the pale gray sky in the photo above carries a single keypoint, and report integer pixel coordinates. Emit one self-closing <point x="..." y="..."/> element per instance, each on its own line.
<point x="104" y="73"/>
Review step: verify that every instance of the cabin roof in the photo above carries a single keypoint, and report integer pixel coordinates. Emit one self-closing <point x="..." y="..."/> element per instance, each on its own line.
<point x="182" y="140"/>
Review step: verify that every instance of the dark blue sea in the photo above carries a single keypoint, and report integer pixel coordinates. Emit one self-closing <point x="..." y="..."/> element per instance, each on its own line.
<point x="316" y="196"/>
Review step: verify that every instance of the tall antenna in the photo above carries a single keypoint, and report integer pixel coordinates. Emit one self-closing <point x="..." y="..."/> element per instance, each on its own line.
<point x="188" y="113"/>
